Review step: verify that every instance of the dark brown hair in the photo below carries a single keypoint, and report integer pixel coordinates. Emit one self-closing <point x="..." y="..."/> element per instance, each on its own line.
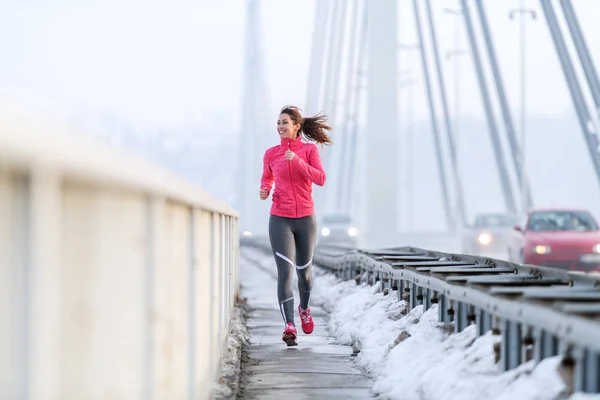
<point x="313" y="127"/>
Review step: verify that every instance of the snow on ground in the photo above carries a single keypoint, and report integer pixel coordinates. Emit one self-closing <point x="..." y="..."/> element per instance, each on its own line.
<point x="412" y="357"/>
<point x="228" y="383"/>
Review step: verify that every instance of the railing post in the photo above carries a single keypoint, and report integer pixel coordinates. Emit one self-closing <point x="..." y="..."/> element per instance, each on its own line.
<point x="592" y="372"/>
<point x="483" y="321"/>
<point x="442" y="308"/>
<point x="41" y="377"/>
<point x="192" y="331"/>
<point x="451" y="309"/>
<point x="215" y="288"/>
<point x="511" y="344"/>
<point x="461" y="321"/>
<point x="426" y="299"/>
<point x="154" y="246"/>
<point x="579" y="374"/>
<point x="15" y="281"/>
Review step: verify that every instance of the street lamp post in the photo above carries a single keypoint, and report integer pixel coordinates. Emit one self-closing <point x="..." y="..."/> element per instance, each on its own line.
<point x="522" y="11"/>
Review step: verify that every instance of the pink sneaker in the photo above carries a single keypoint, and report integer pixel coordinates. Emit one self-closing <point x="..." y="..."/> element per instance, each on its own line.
<point x="307" y="322"/>
<point x="289" y="335"/>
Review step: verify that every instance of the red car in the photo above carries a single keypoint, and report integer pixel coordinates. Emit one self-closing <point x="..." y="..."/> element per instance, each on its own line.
<point x="561" y="238"/>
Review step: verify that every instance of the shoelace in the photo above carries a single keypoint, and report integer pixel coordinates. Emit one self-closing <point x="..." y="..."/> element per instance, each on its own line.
<point x="305" y="315"/>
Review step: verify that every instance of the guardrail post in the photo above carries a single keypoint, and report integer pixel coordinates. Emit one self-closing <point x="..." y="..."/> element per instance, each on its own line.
<point x="515" y="332"/>
<point x="413" y="295"/>
<point x="461" y="317"/>
<point x="551" y="345"/>
<point x="592" y="372"/>
<point x="450" y="310"/>
<point x="434" y="297"/>
<point x="443" y="303"/>
<point x="538" y="344"/>
<point x="471" y="317"/>
<point x="346" y="273"/>
<point x="359" y="270"/>
<point x="401" y="289"/>
<point x="419" y="296"/>
<point x="586" y="374"/>
<point x="496" y="322"/>
<point x="426" y="300"/>
<point x="483" y="321"/>
<point x="511" y="345"/>
<point x="546" y="345"/>
<point x="504" y="346"/>
<point x="577" y="354"/>
<point x="528" y="344"/>
<point x="386" y="286"/>
<point x="372" y="276"/>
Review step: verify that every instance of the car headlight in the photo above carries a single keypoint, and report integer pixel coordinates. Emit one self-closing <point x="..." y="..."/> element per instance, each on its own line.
<point x="542" y="249"/>
<point x="247" y="233"/>
<point x="352" y="231"/>
<point x="484" y="238"/>
<point x="325" y="231"/>
<point x="596" y="248"/>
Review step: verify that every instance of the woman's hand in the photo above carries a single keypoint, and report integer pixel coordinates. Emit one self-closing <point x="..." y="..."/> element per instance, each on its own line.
<point x="264" y="193"/>
<point x="289" y="155"/>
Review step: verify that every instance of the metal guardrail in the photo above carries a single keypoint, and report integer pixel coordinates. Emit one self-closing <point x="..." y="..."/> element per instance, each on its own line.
<point x="539" y="311"/>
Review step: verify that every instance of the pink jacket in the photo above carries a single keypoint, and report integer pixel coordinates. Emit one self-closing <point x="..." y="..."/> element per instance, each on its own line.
<point x="292" y="197"/>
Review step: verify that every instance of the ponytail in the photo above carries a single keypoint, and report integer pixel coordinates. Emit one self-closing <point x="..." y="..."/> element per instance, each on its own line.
<point x="314" y="129"/>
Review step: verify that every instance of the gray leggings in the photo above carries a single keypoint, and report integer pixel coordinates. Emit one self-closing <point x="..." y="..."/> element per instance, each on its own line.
<point x="293" y="239"/>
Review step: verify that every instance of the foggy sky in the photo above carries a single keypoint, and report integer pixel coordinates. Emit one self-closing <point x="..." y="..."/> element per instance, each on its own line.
<point x="176" y="65"/>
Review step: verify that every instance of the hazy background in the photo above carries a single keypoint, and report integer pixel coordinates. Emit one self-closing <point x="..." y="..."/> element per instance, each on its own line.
<point x="164" y="79"/>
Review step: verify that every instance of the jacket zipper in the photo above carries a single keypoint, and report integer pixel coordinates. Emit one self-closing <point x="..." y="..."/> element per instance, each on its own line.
<point x="292" y="183"/>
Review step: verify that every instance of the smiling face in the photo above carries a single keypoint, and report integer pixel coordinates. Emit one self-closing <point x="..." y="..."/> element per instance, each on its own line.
<point x="286" y="127"/>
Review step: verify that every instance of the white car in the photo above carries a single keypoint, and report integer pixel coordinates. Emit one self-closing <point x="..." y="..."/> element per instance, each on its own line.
<point x="338" y="229"/>
<point x="489" y="235"/>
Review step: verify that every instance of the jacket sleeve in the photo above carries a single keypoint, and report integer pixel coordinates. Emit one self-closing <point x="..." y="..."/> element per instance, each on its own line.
<point x="266" y="181"/>
<point x="313" y="169"/>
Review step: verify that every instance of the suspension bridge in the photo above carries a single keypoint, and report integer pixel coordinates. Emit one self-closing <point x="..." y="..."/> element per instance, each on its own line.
<point x="121" y="280"/>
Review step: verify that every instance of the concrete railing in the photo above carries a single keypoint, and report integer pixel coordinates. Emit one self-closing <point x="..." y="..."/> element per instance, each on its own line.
<point x="116" y="278"/>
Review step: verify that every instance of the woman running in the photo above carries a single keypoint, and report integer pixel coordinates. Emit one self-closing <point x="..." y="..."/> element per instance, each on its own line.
<point x="294" y="166"/>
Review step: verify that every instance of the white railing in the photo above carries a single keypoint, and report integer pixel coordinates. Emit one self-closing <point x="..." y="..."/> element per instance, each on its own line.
<point x="116" y="278"/>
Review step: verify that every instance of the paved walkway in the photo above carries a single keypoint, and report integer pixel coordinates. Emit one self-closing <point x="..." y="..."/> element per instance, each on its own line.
<point x="315" y="369"/>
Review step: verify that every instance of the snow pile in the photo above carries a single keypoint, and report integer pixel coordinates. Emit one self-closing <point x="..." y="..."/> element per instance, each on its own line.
<point x="228" y="383"/>
<point x="413" y="357"/>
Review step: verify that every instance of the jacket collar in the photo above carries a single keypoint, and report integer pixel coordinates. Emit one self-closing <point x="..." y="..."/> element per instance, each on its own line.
<point x="292" y="143"/>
